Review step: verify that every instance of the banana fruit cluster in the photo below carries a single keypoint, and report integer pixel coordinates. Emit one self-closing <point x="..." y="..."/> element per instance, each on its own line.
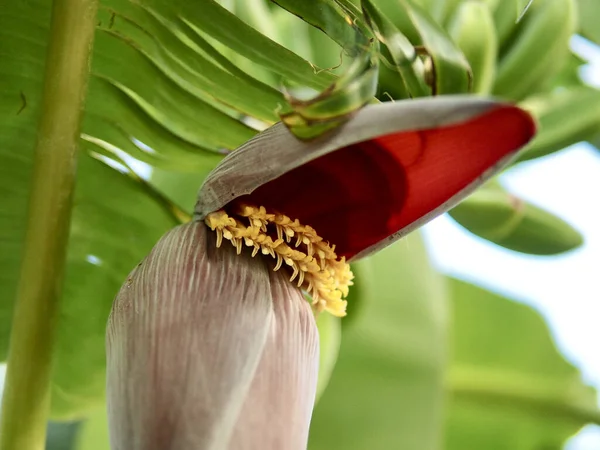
<point x="515" y="47"/>
<point x="517" y="50"/>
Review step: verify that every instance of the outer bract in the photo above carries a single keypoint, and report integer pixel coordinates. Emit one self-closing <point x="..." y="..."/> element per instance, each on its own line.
<point x="203" y="344"/>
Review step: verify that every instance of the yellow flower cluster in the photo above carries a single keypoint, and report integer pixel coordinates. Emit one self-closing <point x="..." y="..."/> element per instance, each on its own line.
<point x="313" y="261"/>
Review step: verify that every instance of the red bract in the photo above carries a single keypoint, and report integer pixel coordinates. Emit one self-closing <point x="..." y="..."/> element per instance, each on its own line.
<point x="389" y="170"/>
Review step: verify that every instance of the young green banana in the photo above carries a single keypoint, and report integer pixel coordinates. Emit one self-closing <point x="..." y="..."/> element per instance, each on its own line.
<point x="538" y="49"/>
<point x="435" y="7"/>
<point x="506" y="13"/>
<point x="565" y="118"/>
<point x="449" y="9"/>
<point x="508" y="221"/>
<point x="472" y="29"/>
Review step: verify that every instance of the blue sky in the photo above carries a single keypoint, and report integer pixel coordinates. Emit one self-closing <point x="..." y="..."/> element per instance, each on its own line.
<point x="566" y="288"/>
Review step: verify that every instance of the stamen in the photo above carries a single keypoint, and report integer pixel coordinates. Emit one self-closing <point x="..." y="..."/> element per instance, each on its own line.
<point x="309" y="247"/>
<point x="296" y="271"/>
<point x="301" y="278"/>
<point x="315" y="266"/>
<point x="322" y="263"/>
<point x="289" y="234"/>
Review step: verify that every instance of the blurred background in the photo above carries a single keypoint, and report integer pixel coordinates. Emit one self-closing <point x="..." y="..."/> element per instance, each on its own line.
<point x="479" y="331"/>
<point x="564" y="289"/>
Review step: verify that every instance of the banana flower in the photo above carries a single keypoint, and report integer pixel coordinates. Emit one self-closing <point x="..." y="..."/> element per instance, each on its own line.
<point x="211" y="343"/>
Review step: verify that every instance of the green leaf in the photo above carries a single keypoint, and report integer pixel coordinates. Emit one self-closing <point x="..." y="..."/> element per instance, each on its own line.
<point x="325" y="52"/>
<point x="589" y="15"/>
<point x="359" y="292"/>
<point x="177" y="96"/>
<point x="110" y="234"/>
<point x="293" y="33"/>
<point x="309" y="41"/>
<point x="258" y="15"/>
<point x="116" y="219"/>
<point x="565" y="117"/>
<point x="215" y="21"/>
<point x="506" y="220"/>
<point x="358" y="85"/>
<point x="196" y="69"/>
<point x="93" y="433"/>
<point x="153" y="92"/>
<point x="180" y="187"/>
<point x="330" y="334"/>
<point x="569" y="76"/>
<point x="386" y="388"/>
<point x="510" y="388"/>
<point x="341" y="24"/>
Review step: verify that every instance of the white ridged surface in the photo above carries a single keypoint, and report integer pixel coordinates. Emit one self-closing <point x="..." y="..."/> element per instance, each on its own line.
<point x="209" y="350"/>
<point x="278" y="409"/>
<point x="184" y="339"/>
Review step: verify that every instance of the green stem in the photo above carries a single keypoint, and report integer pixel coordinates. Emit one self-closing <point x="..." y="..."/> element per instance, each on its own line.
<point x="26" y="401"/>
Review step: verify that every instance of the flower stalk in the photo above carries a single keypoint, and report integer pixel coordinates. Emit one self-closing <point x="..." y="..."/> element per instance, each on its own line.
<point x="26" y="400"/>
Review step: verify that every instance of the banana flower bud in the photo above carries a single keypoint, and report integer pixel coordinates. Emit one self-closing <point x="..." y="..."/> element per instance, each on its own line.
<point x="212" y="346"/>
